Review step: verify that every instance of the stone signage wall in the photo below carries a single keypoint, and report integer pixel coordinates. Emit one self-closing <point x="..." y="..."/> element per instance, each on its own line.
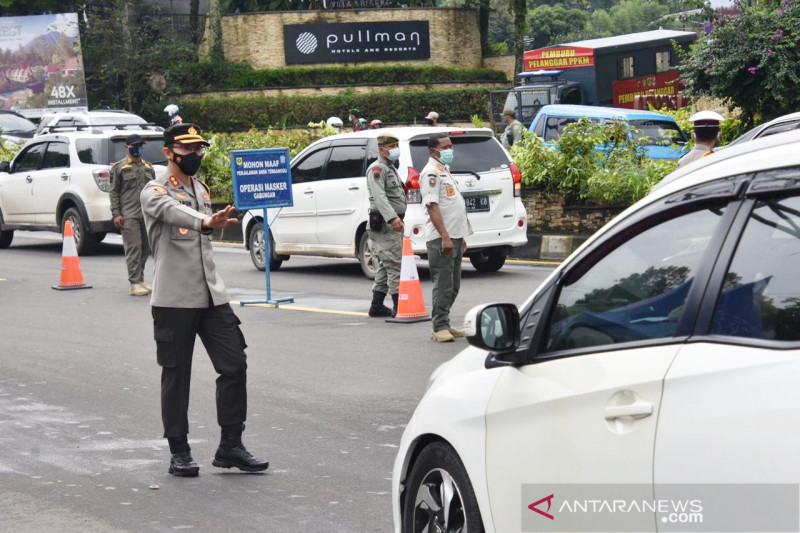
<point x="257" y="38"/>
<point x="550" y="214"/>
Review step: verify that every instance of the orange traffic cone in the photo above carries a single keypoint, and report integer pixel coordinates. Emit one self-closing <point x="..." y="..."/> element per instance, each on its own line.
<point x="71" y="275"/>
<point x="410" y="303"/>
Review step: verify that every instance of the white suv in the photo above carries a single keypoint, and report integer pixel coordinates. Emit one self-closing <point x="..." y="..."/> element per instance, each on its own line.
<point x="99" y="118"/>
<point x="63" y="176"/>
<point x="329" y="189"/>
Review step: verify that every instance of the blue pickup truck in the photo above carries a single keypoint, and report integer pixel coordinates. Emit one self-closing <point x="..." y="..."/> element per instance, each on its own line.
<point x="667" y="141"/>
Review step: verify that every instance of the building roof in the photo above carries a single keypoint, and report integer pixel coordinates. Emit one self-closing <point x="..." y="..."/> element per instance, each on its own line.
<point x="634" y="40"/>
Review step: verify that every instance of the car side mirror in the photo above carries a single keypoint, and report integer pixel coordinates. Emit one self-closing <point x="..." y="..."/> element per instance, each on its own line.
<point x="494" y="328"/>
<point x="5" y="166"/>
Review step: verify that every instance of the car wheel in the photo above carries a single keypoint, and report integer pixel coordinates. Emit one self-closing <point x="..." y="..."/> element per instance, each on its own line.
<point x="257" y="253"/>
<point x="5" y="238"/>
<point x="84" y="240"/>
<point x="488" y="260"/>
<point x="439" y="495"/>
<point x="367" y="256"/>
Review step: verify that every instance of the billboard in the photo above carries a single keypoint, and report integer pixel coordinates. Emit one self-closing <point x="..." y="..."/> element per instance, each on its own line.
<point x="356" y="41"/>
<point x="41" y="67"/>
<point x="558" y="57"/>
<point x="662" y="83"/>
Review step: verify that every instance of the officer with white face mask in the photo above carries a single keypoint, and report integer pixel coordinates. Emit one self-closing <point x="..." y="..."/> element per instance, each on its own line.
<point x="387" y="207"/>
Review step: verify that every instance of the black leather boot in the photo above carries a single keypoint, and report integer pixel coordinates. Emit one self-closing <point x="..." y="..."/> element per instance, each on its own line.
<point x="232" y="453"/>
<point x="394" y="307"/>
<point x="377" y="309"/>
<point x="182" y="464"/>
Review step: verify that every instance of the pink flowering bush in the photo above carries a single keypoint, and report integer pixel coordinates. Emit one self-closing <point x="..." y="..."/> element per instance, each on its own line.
<point x="751" y="61"/>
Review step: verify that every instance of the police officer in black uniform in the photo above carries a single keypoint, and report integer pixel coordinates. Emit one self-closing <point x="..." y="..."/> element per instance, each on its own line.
<point x="189" y="299"/>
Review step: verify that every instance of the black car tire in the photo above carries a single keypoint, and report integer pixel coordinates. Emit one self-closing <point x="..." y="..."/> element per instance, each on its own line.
<point x="367" y="256"/>
<point x="490" y="260"/>
<point x="436" y="465"/>
<point x="85" y="241"/>
<point x="256" y="246"/>
<point x="5" y="238"/>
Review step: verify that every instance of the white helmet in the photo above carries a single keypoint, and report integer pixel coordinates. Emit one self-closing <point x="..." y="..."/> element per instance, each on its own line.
<point x="334" y="122"/>
<point x="171" y="110"/>
<point x="706" y="116"/>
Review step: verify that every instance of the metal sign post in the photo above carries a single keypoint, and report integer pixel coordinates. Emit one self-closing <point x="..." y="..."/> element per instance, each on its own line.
<point x="262" y="179"/>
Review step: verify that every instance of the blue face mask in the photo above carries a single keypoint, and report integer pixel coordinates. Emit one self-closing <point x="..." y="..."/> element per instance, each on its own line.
<point x="135" y="150"/>
<point x="394" y="154"/>
<point x="446" y="156"/>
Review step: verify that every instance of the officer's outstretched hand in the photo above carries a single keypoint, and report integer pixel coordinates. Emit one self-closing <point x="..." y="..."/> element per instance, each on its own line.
<point x="221" y="218"/>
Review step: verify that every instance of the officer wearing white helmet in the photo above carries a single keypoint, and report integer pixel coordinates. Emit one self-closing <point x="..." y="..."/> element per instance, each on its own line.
<point x="706" y="135"/>
<point x="174" y="114"/>
<point x="335" y="123"/>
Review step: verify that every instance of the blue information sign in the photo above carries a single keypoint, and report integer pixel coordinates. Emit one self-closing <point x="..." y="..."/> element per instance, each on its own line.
<point x="261" y="178"/>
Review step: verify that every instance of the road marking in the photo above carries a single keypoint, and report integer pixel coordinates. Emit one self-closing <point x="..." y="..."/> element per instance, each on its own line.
<point x="533" y="262"/>
<point x="291" y="307"/>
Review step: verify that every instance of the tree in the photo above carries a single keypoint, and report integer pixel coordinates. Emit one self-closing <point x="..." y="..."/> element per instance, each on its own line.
<point x="519" y="10"/>
<point x="216" y="53"/>
<point x="548" y="24"/>
<point x="750" y="61"/>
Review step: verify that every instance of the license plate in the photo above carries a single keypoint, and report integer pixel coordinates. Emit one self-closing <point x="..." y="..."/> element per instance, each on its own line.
<point x="477" y="203"/>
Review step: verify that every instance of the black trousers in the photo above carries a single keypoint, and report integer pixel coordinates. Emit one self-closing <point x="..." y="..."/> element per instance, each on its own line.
<point x="175" y="333"/>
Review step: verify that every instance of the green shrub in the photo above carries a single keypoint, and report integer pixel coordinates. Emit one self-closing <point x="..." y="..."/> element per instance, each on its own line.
<point x="9" y="150"/>
<point x="596" y="163"/>
<point x="243" y="113"/>
<point x="208" y="76"/>
<point x="216" y="167"/>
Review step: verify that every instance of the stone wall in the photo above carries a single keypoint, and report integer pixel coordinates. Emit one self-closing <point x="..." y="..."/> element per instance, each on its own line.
<point x="503" y="64"/>
<point x="333" y="90"/>
<point x="257" y="38"/>
<point x="550" y="214"/>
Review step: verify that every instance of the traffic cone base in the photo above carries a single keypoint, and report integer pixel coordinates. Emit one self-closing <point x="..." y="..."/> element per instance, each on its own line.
<point x="410" y="303"/>
<point x="71" y="275"/>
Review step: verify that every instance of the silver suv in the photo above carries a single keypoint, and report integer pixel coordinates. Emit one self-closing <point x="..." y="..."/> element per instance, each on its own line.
<point x="102" y="118"/>
<point x="64" y="175"/>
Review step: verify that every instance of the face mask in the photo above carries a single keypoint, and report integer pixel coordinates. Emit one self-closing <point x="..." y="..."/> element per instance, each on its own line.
<point x="135" y="150"/>
<point x="394" y="154"/>
<point x="446" y="156"/>
<point x="189" y="164"/>
<point x="429" y="122"/>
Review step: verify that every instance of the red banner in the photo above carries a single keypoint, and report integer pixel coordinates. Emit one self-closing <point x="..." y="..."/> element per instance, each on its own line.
<point x="558" y="57"/>
<point x="662" y="83"/>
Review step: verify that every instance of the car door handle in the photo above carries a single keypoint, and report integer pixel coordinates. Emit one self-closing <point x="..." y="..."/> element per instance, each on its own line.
<point x="28" y="179"/>
<point x="353" y="188"/>
<point x="309" y="191"/>
<point x="64" y="176"/>
<point x="637" y="409"/>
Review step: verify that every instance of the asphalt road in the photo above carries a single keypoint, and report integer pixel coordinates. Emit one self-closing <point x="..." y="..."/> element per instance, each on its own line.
<point x="329" y="393"/>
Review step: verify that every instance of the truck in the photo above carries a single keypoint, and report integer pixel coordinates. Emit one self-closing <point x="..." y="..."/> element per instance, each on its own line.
<point x="609" y="71"/>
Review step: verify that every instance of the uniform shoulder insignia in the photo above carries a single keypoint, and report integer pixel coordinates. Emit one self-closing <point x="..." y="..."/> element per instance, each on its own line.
<point x="126" y="166"/>
<point x="376" y="172"/>
<point x="174" y="181"/>
<point x="439" y="166"/>
<point x="147" y="165"/>
<point x="160" y="190"/>
<point x="432" y="181"/>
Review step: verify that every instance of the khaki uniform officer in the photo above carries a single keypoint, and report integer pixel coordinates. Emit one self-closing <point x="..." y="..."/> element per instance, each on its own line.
<point x="387" y="204"/>
<point x="128" y="178"/>
<point x="513" y="132"/>
<point x="189" y="300"/>
<point x="447" y="228"/>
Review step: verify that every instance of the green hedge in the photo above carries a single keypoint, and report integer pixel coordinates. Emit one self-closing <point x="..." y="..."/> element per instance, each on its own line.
<point x="208" y="76"/>
<point x="239" y="114"/>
